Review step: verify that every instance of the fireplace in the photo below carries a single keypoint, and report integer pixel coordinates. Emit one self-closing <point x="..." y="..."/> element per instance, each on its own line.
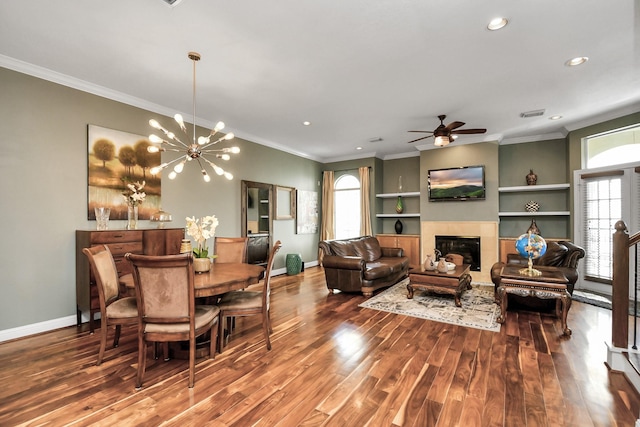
<point x="468" y="247"/>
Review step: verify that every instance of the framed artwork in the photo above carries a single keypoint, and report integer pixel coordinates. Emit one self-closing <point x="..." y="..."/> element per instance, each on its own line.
<point x="307" y="216"/>
<point x="285" y="207"/>
<point x="115" y="159"/>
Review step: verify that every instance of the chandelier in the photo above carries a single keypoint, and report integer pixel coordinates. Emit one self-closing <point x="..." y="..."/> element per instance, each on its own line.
<point x="197" y="149"/>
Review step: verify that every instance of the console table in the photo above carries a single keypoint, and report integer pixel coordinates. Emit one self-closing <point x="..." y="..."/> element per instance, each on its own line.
<point x="550" y="284"/>
<point x="452" y="282"/>
<point x="159" y="241"/>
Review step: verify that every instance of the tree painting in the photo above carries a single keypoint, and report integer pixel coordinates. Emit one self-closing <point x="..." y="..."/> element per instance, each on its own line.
<point x="116" y="157"/>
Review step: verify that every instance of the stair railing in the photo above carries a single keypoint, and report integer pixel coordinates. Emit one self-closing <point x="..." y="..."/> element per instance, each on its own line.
<point x="620" y="286"/>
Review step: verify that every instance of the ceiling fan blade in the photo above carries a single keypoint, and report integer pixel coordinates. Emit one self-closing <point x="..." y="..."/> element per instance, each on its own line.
<point x="468" y="131"/>
<point x="454" y="125"/>
<point x="424" y="137"/>
<point x="421" y="131"/>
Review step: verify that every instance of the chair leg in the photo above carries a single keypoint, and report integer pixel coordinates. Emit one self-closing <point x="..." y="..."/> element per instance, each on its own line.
<point x="265" y="327"/>
<point x="221" y="333"/>
<point x="192" y="361"/>
<point x="116" y="337"/>
<point x="269" y="319"/>
<point x="213" y="339"/>
<point x="142" y="359"/>
<point x="103" y="339"/>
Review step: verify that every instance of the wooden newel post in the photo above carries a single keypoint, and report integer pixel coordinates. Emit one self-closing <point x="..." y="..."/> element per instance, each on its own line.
<point x="620" y="291"/>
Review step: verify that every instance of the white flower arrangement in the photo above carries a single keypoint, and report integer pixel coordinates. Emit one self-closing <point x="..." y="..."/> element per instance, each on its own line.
<point x="201" y="230"/>
<point x="133" y="194"/>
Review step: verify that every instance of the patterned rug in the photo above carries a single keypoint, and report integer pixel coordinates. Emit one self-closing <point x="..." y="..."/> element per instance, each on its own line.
<point x="478" y="307"/>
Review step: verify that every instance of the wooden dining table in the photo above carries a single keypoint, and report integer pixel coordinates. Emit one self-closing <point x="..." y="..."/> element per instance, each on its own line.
<point x="225" y="277"/>
<point x="221" y="278"/>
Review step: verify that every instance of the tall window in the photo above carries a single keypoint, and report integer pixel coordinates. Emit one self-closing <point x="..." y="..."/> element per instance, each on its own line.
<point x="602" y="203"/>
<point x="347" y="206"/>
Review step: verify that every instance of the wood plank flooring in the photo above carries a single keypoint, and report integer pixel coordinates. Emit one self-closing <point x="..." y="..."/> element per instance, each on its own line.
<point x="332" y="364"/>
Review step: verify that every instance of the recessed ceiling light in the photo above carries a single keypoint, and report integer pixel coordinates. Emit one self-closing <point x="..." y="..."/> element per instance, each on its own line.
<point x="358" y="148"/>
<point x="579" y="60"/>
<point x="497" y="23"/>
<point x="555" y="117"/>
<point x="306" y="123"/>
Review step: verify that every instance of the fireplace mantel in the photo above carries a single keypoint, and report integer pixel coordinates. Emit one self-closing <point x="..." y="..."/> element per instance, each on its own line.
<point x="486" y="230"/>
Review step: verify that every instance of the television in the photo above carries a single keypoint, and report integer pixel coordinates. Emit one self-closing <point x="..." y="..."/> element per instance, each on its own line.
<point x="461" y="183"/>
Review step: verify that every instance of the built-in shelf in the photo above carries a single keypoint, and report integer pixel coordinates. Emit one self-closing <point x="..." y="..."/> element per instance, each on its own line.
<point x="391" y="195"/>
<point x="549" y="213"/>
<point x="397" y="215"/>
<point x="544" y="187"/>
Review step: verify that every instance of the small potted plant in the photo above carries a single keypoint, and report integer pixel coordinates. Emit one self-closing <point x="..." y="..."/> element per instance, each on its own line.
<point x="200" y="230"/>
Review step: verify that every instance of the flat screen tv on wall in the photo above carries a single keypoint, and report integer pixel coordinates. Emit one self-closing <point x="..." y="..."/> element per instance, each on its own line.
<point x="462" y="183"/>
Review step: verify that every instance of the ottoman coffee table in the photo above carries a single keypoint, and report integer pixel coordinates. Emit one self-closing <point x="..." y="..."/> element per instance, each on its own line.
<point x="453" y="282"/>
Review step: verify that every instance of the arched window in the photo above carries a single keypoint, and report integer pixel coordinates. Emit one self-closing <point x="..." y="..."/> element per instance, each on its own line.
<point x="347" y="206"/>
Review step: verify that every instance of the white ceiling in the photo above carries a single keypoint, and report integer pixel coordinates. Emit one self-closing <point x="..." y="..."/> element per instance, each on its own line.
<point x="359" y="70"/>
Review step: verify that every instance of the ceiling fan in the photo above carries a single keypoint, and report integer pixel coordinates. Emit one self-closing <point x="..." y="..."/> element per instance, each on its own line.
<point x="446" y="134"/>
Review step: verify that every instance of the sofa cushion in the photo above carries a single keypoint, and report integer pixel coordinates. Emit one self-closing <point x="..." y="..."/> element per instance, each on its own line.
<point x="376" y="270"/>
<point x="368" y="248"/>
<point x="342" y="248"/>
<point x="554" y="256"/>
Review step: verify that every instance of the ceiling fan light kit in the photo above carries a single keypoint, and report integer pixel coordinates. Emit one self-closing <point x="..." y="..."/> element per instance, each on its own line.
<point x="443" y="135"/>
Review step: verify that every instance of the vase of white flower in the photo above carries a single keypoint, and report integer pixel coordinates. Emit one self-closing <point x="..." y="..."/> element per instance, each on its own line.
<point x="132" y="217"/>
<point x="133" y="196"/>
<point x="201" y="229"/>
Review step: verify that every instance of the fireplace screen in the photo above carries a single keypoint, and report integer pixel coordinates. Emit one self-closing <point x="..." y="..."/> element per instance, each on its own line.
<point x="468" y="247"/>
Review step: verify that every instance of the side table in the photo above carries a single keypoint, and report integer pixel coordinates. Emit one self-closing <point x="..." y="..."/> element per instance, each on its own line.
<point x="551" y="284"/>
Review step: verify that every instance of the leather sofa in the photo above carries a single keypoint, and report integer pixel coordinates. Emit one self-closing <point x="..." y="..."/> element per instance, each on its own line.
<point x="561" y="255"/>
<point x="361" y="265"/>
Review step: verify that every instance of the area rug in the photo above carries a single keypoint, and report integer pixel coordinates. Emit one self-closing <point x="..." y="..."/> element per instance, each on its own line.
<point x="478" y="310"/>
<point x="591" y="298"/>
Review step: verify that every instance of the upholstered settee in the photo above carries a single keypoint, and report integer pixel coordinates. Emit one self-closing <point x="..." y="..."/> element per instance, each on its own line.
<point x="561" y="255"/>
<point x="361" y="265"/>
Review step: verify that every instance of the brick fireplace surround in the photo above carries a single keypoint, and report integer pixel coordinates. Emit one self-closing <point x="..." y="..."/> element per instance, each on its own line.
<point x="486" y="230"/>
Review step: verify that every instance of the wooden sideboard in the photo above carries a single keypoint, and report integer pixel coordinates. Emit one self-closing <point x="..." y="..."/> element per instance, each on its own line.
<point x="160" y="241"/>
<point x="408" y="242"/>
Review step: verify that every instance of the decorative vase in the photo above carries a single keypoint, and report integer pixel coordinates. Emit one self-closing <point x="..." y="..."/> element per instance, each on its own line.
<point x="533" y="228"/>
<point x="132" y="217"/>
<point x="201" y="265"/>
<point x="399" y="205"/>
<point x="185" y="246"/>
<point x="442" y="265"/>
<point x="429" y="263"/>
<point x="532" y="178"/>
<point x="398" y="227"/>
<point x="532" y="206"/>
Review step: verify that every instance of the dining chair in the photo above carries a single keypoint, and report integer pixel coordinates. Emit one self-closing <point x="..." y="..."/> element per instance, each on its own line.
<point x="231" y="249"/>
<point x="113" y="309"/>
<point x="167" y="310"/>
<point x="249" y="303"/>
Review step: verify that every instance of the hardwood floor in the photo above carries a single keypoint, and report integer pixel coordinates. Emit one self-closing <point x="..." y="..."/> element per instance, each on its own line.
<point x="332" y="364"/>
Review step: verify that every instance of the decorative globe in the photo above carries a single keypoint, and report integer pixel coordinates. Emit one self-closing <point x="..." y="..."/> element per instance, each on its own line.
<point x="531" y="246"/>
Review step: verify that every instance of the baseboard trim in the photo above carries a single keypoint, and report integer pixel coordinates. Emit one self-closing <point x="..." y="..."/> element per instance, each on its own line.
<point x="36" y="328"/>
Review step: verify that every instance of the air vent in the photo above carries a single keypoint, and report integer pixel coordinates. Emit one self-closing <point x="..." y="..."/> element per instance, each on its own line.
<point x="172" y="3"/>
<point x="535" y="113"/>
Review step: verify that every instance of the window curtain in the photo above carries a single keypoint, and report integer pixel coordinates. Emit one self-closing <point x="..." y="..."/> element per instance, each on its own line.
<point x="327" y="227"/>
<point x="365" y="202"/>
